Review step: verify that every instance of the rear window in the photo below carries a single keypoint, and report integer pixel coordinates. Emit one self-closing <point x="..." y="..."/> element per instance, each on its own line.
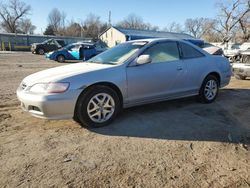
<point x="189" y="52"/>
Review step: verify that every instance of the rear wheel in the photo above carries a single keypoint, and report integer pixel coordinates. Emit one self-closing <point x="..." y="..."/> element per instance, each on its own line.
<point x="97" y="107"/>
<point x="209" y="89"/>
<point x="240" y="77"/>
<point x="60" y="58"/>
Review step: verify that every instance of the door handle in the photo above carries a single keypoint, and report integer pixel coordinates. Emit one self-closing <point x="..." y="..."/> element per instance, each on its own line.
<point x="179" y="68"/>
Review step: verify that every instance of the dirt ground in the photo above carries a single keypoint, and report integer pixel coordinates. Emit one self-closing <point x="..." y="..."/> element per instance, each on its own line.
<point x="178" y="143"/>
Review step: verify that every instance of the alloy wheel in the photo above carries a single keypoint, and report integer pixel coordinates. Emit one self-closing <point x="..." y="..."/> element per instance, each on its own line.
<point x="211" y="89"/>
<point x="101" y="107"/>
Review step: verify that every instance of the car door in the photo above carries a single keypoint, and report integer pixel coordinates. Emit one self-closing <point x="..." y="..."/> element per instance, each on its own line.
<point x="196" y="65"/>
<point x="89" y="51"/>
<point x="51" y="46"/>
<point x="163" y="77"/>
<point x="74" y="52"/>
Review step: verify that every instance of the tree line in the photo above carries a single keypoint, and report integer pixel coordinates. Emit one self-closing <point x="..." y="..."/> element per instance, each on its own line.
<point x="232" y="22"/>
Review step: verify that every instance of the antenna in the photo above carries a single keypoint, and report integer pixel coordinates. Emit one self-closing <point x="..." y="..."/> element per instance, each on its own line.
<point x="110" y="18"/>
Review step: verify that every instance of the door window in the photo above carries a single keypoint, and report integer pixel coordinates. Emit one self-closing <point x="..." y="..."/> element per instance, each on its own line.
<point x="51" y="42"/>
<point x="74" y="48"/>
<point x="163" y="52"/>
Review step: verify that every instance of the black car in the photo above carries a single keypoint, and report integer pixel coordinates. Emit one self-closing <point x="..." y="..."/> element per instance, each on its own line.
<point x="47" y="46"/>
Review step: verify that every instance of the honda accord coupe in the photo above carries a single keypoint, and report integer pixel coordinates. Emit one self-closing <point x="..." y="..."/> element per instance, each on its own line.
<point x="130" y="74"/>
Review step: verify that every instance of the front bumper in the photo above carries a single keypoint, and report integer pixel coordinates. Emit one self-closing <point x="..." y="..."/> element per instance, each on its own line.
<point x="243" y="70"/>
<point x="55" y="106"/>
<point x="33" y="49"/>
<point x="50" y="56"/>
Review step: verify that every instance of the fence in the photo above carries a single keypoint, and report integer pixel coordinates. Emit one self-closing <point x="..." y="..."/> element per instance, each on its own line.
<point x="22" y="42"/>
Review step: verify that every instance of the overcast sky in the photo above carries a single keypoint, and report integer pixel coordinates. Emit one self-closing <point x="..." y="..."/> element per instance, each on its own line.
<point x="156" y="12"/>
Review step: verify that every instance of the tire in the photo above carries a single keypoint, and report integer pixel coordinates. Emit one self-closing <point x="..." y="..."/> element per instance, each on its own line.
<point x="209" y="89"/>
<point x="41" y="51"/>
<point x="91" y="113"/>
<point x="60" y="58"/>
<point x="240" y="77"/>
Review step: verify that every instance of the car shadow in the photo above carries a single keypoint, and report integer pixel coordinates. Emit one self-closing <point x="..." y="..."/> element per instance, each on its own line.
<point x="225" y="120"/>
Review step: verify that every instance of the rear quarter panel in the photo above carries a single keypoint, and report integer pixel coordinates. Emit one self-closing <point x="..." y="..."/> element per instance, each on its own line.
<point x="220" y="65"/>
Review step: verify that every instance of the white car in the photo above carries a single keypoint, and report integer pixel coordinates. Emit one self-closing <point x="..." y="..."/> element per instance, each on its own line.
<point x="241" y="69"/>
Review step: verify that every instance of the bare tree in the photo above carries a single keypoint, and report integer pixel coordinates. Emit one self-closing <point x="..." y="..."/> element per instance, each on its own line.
<point x="244" y="25"/>
<point x="92" y="26"/>
<point x="231" y="12"/>
<point x="73" y="29"/>
<point x="199" y="26"/>
<point x="12" y="13"/>
<point x="26" y="27"/>
<point x="132" y="21"/>
<point x="56" y="20"/>
<point x="173" y="27"/>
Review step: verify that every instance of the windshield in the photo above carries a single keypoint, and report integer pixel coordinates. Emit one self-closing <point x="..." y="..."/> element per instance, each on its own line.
<point x="118" y="54"/>
<point x="46" y="41"/>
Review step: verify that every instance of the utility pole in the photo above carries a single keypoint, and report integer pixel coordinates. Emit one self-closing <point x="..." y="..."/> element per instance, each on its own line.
<point x="110" y="18"/>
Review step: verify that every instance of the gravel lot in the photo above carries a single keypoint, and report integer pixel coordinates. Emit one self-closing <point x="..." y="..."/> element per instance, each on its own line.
<point x="178" y="143"/>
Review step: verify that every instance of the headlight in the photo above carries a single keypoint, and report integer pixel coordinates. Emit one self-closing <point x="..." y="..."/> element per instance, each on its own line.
<point x="50" y="87"/>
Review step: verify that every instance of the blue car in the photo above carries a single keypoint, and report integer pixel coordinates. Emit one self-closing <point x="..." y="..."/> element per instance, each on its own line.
<point x="75" y="51"/>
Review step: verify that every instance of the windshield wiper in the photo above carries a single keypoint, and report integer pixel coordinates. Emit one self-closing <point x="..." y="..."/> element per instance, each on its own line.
<point x="93" y="62"/>
<point x="109" y="63"/>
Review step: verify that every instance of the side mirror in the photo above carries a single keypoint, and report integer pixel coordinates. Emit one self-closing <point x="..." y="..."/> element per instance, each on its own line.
<point x="143" y="59"/>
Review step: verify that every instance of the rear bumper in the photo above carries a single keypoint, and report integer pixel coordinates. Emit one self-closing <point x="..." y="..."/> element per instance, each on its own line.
<point x="225" y="80"/>
<point x="56" y="106"/>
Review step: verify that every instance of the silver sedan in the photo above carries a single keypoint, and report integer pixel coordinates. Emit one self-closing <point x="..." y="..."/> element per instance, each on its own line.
<point x="130" y="74"/>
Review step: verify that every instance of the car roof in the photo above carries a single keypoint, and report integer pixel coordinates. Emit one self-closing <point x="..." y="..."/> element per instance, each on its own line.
<point x="154" y="40"/>
<point x="158" y="40"/>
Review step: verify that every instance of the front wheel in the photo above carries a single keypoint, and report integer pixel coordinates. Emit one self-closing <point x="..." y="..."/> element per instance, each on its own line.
<point x="41" y="51"/>
<point x="209" y="89"/>
<point x="97" y="107"/>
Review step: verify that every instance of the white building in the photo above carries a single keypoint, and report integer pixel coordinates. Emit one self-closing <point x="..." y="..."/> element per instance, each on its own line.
<point x="115" y="35"/>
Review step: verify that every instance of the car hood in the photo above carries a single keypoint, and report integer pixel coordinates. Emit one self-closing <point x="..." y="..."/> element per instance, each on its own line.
<point x="62" y="72"/>
<point x="34" y="44"/>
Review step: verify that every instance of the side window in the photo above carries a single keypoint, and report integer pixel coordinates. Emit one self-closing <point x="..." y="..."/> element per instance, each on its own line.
<point x="189" y="52"/>
<point x="75" y="48"/>
<point x="51" y="42"/>
<point x="89" y="47"/>
<point x="163" y="52"/>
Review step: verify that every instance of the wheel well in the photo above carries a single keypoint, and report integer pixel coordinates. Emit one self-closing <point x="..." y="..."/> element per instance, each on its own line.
<point x="108" y="84"/>
<point x="39" y="48"/>
<point x="216" y="75"/>
<point x="59" y="55"/>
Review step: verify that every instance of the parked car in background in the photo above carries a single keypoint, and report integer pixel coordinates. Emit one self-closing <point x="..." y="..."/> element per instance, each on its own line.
<point x="241" y="69"/>
<point x="47" y="46"/>
<point x="233" y="53"/>
<point x="75" y="51"/>
<point x="130" y="74"/>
